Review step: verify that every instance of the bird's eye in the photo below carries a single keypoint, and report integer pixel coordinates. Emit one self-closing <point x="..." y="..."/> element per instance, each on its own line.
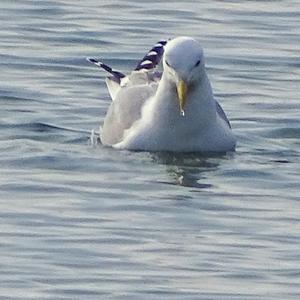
<point x="197" y="63"/>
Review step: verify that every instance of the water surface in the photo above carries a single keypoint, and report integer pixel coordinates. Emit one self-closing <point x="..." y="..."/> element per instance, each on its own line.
<point x="84" y="222"/>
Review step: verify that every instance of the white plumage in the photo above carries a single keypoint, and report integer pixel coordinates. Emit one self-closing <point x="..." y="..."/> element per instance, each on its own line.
<point x="174" y="111"/>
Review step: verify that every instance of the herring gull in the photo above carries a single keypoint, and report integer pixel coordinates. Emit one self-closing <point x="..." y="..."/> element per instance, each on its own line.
<point x="170" y="111"/>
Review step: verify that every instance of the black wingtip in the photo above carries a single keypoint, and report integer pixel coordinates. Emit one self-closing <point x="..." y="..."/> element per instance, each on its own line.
<point x="91" y="60"/>
<point x="153" y="57"/>
<point x="118" y="75"/>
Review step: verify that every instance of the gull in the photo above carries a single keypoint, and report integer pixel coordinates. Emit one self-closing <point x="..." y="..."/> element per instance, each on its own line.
<point x="173" y="110"/>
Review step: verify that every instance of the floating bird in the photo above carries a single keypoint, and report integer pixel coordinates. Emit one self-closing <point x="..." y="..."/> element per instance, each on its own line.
<point x="170" y="111"/>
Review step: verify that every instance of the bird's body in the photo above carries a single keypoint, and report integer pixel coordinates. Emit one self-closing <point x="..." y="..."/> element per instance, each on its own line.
<point x="174" y="111"/>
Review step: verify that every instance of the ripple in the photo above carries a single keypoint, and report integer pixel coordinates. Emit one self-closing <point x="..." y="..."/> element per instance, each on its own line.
<point x="87" y="221"/>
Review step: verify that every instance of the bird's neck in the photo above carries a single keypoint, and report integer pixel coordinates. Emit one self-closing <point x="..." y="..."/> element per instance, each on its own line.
<point x="200" y="104"/>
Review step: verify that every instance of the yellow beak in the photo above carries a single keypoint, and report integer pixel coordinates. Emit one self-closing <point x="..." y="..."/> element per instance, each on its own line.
<point x="182" y="93"/>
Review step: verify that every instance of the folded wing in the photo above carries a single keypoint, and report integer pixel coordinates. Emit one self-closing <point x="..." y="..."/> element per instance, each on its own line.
<point x="129" y="93"/>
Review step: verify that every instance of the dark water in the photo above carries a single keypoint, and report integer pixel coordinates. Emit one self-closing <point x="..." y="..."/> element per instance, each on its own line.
<point x="84" y="222"/>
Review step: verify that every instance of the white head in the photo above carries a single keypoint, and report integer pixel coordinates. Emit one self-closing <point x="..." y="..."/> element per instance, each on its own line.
<point x="183" y="62"/>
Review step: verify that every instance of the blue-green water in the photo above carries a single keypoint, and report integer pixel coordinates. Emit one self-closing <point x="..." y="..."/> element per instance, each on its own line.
<point x="84" y="222"/>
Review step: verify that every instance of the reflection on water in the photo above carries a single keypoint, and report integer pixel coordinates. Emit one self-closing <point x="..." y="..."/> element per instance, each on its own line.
<point x="82" y="222"/>
<point x="190" y="169"/>
<point x="188" y="177"/>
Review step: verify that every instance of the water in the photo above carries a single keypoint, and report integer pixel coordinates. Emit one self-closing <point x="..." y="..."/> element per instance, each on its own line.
<point x="84" y="222"/>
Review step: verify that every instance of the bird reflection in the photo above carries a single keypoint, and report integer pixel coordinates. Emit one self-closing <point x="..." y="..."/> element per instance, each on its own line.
<point x="189" y="170"/>
<point x="187" y="177"/>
